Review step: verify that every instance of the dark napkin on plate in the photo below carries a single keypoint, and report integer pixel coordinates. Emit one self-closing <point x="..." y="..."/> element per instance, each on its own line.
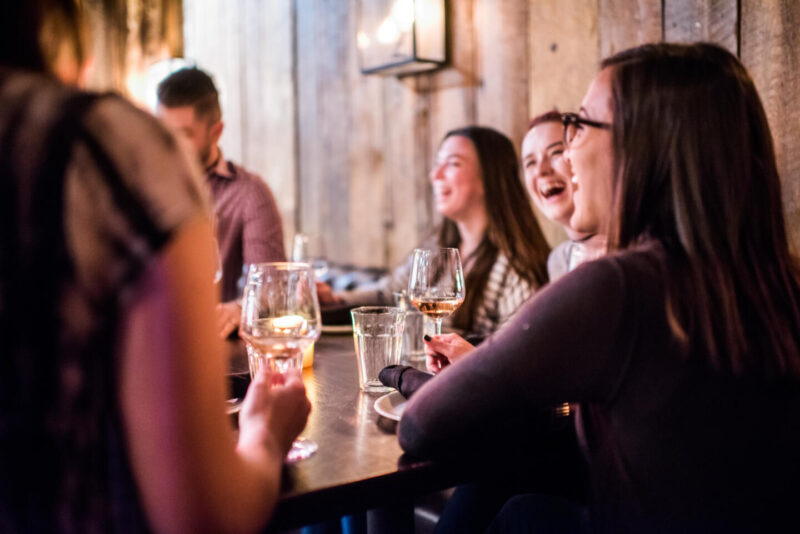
<point x="403" y="378"/>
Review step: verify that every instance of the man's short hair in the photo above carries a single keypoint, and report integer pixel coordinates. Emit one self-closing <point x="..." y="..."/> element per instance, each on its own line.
<point x="191" y="87"/>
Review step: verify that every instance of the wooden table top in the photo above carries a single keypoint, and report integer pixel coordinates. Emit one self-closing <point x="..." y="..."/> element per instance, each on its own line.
<point x="359" y="464"/>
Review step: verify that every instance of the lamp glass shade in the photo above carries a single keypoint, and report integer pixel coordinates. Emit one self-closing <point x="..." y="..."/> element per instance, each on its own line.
<point x="398" y="37"/>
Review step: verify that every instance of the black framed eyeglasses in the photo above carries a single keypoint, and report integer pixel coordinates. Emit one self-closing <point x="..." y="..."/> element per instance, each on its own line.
<point x="574" y="123"/>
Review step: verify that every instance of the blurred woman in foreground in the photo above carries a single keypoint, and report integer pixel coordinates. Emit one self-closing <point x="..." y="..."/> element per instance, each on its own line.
<point x="679" y="346"/>
<point x="112" y="389"/>
<point x="487" y="216"/>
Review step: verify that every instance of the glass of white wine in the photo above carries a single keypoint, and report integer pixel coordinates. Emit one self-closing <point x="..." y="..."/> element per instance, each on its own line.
<point x="280" y="318"/>
<point x="436" y="285"/>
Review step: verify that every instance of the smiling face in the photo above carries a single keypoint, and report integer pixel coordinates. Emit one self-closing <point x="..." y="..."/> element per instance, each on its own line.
<point x="456" y="177"/>
<point x="592" y="158"/>
<point x="547" y="172"/>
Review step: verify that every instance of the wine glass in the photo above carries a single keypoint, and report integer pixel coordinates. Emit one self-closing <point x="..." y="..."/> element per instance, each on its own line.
<point x="436" y="285"/>
<point x="280" y="318"/>
<point x="308" y="249"/>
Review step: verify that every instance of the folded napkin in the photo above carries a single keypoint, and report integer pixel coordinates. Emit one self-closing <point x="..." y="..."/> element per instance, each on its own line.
<point x="403" y="378"/>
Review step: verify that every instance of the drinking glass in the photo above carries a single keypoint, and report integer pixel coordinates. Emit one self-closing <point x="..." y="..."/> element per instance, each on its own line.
<point x="308" y="249"/>
<point x="436" y="285"/>
<point x="280" y="318"/>
<point x="218" y="258"/>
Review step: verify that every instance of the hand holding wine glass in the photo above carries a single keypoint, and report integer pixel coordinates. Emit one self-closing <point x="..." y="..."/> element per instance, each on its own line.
<point x="436" y="285"/>
<point x="280" y="318"/>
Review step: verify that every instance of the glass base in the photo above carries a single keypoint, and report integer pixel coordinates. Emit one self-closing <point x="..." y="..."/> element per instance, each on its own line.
<point x="302" y="448"/>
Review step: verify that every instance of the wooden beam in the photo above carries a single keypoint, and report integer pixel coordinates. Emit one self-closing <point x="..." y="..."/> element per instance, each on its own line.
<point x="770" y="49"/>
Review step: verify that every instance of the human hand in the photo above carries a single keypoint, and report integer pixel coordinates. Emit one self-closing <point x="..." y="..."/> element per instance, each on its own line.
<point x="228" y="316"/>
<point x="274" y="412"/>
<point x="325" y="294"/>
<point x="442" y="350"/>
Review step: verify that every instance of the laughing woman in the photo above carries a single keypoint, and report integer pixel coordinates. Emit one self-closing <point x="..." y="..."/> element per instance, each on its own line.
<point x="682" y="347"/>
<point x="548" y="177"/>
<point x="487" y="216"/>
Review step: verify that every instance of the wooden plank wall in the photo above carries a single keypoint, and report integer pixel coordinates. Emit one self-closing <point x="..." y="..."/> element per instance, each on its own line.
<point x="128" y="36"/>
<point x="247" y="46"/>
<point x="349" y="154"/>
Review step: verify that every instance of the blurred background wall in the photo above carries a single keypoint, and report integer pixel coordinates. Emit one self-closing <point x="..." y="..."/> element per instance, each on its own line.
<point x="347" y="155"/>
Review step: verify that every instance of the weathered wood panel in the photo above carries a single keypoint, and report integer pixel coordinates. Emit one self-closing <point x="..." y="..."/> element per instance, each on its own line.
<point x="371" y="215"/>
<point x="502" y="59"/>
<point x="325" y="124"/>
<point x="407" y="158"/>
<point x="770" y="49"/>
<point x="702" y="20"/>
<point x="626" y="23"/>
<point x="224" y="58"/>
<point x="564" y="56"/>
<point x="267" y="101"/>
<point x="564" y="53"/>
<point x="127" y="36"/>
<point x="452" y="92"/>
<point x="109" y="33"/>
<point x="365" y="144"/>
<point x="228" y="39"/>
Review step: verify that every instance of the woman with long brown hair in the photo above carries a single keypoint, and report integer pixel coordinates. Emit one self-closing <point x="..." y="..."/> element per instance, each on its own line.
<point x="487" y="216"/>
<point x="682" y="347"/>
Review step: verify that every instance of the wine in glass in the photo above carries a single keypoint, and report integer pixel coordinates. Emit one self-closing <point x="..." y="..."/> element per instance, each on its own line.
<point x="280" y="318"/>
<point x="436" y="285"/>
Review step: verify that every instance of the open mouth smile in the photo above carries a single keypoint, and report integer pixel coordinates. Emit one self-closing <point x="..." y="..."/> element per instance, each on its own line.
<point x="551" y="188"/>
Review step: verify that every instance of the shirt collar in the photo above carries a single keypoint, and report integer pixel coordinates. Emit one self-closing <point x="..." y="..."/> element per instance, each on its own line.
<point x="220" y="168"/>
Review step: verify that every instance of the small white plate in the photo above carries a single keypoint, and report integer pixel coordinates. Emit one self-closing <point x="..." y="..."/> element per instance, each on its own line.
<point x="391" y="405"/>
<point x="337" y="329"/>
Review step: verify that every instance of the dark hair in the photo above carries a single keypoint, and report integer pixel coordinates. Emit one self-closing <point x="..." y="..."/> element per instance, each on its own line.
<point x="512" y="228"/>
<point x="550" y="116"/>
<point x="20" y="22"/>
<point x="695" y="169"/>
<point x="32" y="33"/>
<point x="191" y="87"/>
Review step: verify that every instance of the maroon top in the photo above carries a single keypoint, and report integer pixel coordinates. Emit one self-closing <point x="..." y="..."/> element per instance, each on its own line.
<point x="248" y="222"/>
<point x="673" y="446"/>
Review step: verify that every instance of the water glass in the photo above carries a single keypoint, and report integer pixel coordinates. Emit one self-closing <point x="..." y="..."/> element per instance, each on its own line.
<point x="413" y="347"/>
<point x="378" y="335"/>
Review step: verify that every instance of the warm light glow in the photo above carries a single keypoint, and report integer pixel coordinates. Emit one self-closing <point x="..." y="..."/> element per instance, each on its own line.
<point x="363" y="40"/>
<point x="289" y="324"/>
<point x="403" y="14"/>
<point x="388" y="32"/>
<point x="308" y="356"/>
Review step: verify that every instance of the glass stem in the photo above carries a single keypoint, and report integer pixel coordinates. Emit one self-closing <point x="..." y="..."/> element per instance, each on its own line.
<point x="438" y="326"/>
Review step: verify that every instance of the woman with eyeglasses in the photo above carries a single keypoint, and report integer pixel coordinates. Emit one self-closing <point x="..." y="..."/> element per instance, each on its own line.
<point x="682" y="346"/>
